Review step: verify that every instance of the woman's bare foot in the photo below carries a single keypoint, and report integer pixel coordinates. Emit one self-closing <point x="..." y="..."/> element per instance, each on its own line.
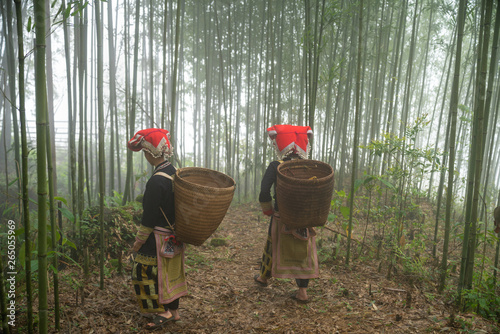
<point x="175" y="314"/>
<point x="302" y="294"/>
<point x="262" y="281"/>
<point x="160" y="319"/>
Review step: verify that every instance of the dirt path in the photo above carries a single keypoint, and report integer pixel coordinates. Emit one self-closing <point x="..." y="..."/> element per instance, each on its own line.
<point x="224" y="298"/>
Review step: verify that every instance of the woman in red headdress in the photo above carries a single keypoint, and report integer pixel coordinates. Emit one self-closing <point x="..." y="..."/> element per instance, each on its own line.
<point x="158" y="271"/>
<point x="298" y="246"/>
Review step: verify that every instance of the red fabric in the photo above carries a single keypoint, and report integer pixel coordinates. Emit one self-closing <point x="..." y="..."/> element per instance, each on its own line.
<point x="289" y="139"/>
<point x="155" y="141"/>
<point x="268" y="212"/>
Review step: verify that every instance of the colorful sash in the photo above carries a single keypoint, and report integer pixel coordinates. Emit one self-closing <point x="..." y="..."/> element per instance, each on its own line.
<point x="171" y="276"/>
<point x="293" y="257"/>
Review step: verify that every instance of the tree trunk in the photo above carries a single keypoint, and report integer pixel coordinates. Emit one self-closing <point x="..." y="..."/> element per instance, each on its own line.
<point x="356" y="133"/>
<point x="489" y="144"/>
<point x="452" y="151"/>
<point x="82" y="71"/>
<point x="128" y="181"/>
<point x="11" y="72"/>
<point x="25" y="178"/>
<point x="174" y="73"/>
<point x="50" y="96"/>
<point x="41" y="144"/>
<point x="52" y="215"/>
<point x="100" y="111"/>
<point x="112" y="101"/>
<point x="207" y="161"/>
<point x="475" y="160"/>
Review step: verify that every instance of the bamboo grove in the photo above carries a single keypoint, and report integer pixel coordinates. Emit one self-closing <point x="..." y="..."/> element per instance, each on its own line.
<point x="403" y="98"/>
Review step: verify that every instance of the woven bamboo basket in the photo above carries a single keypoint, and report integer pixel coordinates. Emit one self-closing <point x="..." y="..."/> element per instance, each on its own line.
<point x="202" y="197"/>
<point x="304" y="190"/>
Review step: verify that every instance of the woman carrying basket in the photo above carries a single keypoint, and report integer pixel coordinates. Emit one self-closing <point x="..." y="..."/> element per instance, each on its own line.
<point x="158" y="274"/>
<point x="288" y="253"/>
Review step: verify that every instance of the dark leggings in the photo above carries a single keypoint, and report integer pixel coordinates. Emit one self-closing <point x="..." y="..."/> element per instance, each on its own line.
<point x="172" y="306"/>
<point x="302" y="283"/>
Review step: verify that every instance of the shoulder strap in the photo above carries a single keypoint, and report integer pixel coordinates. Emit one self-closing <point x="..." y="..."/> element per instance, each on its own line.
<point x="164" y="215"/>
<point x="165" y="175"/>
<point x="172" y="179"/>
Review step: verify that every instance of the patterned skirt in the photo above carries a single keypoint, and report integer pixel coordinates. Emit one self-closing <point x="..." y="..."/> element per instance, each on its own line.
<point x="145" y="282"/>
<point x="156" y="287"/>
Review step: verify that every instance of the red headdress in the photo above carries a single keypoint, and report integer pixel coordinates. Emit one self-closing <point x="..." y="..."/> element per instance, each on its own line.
<point x="288" y="139"/>
<point x="155" y="141"/>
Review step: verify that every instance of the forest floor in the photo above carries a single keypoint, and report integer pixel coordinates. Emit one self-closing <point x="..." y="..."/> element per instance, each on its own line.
<point x="223" y="297"/>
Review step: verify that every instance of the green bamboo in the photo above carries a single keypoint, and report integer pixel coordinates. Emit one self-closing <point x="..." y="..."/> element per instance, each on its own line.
<point x="128" y="181"/>
<point x="41" y="144"/>
<point x="100" y="112"/>
<point x="356" y="133"/>
<point x="24" y="169"/>
<point x="112" y="101"/>
<point x="71" y="134"/>
<point x="462" y="281"/>
<point x="164" y="67"/>
<point x="53" y="228"/>
<point x="479" y="147"/>
<point x="82" y="105"/>
<point x="12" y="85"/>
<point x="174" y="74"/>
<point x="452" y="137"/>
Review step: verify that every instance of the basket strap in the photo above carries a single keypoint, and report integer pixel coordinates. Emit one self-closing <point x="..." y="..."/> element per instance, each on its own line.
<point x="164" y="215"/>
<point x="165" y="175"/>
<point x="172" y="179"/>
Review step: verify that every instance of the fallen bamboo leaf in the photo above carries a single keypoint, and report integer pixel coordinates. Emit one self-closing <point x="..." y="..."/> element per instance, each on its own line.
<point x="395" y="290"/>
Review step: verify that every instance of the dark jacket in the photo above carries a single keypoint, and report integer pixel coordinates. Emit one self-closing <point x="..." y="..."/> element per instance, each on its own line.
<point x="158" y="193"/>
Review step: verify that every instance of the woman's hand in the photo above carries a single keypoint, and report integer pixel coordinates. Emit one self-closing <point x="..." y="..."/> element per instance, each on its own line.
<point x="137" y="245"/>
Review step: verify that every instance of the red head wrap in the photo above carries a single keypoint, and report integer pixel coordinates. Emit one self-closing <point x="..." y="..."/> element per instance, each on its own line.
<point x="288" y="139"/>
<point x="154" y="141"/>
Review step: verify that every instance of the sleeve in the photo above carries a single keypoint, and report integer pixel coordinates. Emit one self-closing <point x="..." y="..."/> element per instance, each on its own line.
<point x="143" y="234"/>
<point x="151" y="203"/>
<point x="266" y="185"/>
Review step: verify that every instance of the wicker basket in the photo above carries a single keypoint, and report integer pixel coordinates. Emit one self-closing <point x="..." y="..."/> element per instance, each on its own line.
<point x="202" y="197"/>
<point x="304" y="190"/>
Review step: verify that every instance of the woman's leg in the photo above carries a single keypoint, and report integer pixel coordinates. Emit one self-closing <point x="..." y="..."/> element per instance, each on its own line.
<point x="267" y="260"/>
<point x="173" y="307"/>
<point x="302" y="284"/>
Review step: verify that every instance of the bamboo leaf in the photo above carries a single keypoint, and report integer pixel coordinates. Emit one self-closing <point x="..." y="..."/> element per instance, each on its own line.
<point x="68" y="214"/>
<point x="13" y="181"/>
<point x="70" y="243"/>
<point x="21" y="255"/>
<point x="19" y="231"/>
<point x="345" y="211"/>
<point x="61" y="199"/>
<point x="388" y="184"/>
<point x="34" y="266"/>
